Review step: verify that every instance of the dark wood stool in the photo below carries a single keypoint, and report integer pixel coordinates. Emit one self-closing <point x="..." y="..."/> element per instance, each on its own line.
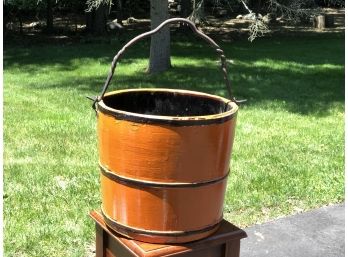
<point x="224" y="242"/>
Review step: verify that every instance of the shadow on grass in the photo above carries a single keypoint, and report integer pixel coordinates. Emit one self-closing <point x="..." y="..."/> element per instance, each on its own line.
<point x="304" y="75"/>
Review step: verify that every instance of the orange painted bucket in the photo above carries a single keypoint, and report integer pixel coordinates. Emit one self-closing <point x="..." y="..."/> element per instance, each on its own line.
<point x="164" y="158"/>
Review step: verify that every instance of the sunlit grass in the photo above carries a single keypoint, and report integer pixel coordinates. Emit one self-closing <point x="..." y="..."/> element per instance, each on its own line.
<point x="288" y="151"/>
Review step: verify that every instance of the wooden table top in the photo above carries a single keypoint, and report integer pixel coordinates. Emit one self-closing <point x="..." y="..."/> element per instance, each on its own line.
<point x="226" y="232"/>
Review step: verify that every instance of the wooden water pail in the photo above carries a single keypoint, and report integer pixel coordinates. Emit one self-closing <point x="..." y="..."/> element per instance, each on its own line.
<point x="164" y="157"/>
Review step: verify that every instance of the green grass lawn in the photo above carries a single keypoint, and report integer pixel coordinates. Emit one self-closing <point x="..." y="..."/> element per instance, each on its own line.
<point x="289" y="146"/>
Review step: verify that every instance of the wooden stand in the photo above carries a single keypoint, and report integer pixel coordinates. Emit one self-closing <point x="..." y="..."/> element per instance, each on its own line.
<point x="225" y="242"/>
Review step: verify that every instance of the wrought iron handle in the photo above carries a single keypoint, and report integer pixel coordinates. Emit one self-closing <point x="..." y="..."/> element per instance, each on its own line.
<point x="211" y="42"/>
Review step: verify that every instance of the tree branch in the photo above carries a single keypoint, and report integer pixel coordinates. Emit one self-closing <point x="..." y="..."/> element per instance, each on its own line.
<point x="94" y="4"/>
<point x="246" y="7"/>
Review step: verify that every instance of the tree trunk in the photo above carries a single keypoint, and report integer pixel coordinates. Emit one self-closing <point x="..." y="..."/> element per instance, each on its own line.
<point x="185" y="12"/>
<point x="329" y="21"/>
<point x="160" y="42"/>
<point x="49" y="16"/>
<point x="96" y="20"/>
<point x="186" y="8"/>
<point x="100" y="19"/>
<point x="89" y="21"/>
<point x="119" y="12"/>
<point x="319" y="22"/>
<point x="5" y="19"/>
<point x="20" y="19"/>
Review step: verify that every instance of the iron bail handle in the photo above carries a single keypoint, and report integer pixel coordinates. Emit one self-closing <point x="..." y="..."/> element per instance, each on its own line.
<point x="187" y="22"/>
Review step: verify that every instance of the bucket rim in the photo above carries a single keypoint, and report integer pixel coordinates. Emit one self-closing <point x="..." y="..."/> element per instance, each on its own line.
<point x="175" y="120"/>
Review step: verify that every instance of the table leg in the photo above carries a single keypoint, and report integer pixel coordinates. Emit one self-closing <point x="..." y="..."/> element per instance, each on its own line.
<point x="100" y="241"/>
<point x="232" y="248"/>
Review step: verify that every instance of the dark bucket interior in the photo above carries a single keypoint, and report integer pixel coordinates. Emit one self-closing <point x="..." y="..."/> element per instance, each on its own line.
<point x="165" y="103"/>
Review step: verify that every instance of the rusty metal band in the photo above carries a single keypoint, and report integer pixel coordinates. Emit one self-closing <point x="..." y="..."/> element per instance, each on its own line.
<point x="187" y="22"/>
<point x="173" y="122"/>
<point x="143" y="183"/>
<point x="123" y="229"/>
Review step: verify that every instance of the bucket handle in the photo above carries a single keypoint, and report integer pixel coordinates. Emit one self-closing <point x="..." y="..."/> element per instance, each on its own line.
<point x="210" y="41"/>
